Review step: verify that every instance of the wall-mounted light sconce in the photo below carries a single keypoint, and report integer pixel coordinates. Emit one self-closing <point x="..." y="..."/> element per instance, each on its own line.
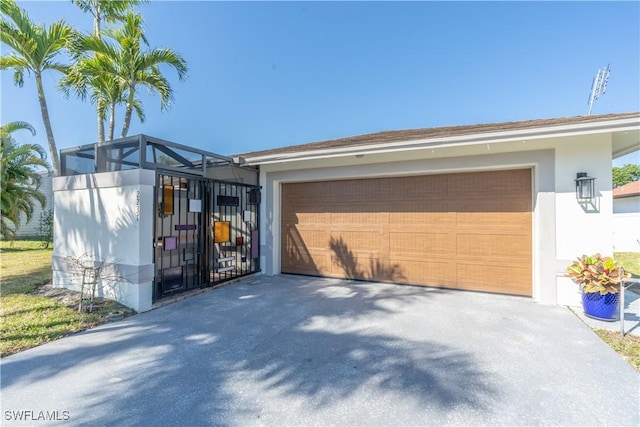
<point x="585" y="187"/>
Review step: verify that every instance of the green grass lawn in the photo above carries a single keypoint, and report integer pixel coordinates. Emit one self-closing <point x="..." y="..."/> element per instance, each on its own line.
<point x="28" y="320"/>
<point x="24" y="264"/>
<point x="630" y="261"/>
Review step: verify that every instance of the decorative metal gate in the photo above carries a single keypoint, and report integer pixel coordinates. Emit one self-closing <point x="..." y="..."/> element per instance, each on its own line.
<point x="233" y="240"/>
<point x="206" y="232"/>
<point x="179" y="247"/>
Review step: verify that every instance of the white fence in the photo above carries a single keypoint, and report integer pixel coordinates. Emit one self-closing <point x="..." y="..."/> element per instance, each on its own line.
<point x="32" y="228"/>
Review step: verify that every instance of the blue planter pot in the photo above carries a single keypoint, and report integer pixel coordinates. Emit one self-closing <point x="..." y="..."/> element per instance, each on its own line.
<point x="601" y="307"/>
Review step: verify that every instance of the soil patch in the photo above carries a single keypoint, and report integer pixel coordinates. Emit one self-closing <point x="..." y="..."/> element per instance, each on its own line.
<point x="109" y="310"/>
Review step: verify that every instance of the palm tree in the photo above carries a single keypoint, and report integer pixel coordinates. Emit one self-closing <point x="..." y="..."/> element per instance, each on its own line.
<point x="19" y="178"/>
<point x="89" y="77"/>
<point x="132" y="67"/>
<point x="106" y="10"/>
<point x="34" y="51"/>
<point x="106" y="93"/>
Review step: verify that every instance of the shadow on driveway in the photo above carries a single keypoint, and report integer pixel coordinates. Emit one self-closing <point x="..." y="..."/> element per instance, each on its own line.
<point x="291" y="350"/>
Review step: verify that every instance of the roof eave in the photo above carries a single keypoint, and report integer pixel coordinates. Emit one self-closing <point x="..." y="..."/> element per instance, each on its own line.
<point x="583" y="128"/>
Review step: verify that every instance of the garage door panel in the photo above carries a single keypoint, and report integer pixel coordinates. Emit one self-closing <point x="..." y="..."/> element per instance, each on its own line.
<point x="421" y="272"/>
<point x="483" y="205"/>
<point x="494" y="222"/>
<point x="309" y="261"/>
<point x="419" y="206"/>
<point x="490" y="185"/>
<point x="468" y="231"/>
<point x="307" y="217"/>
<point x="422" y="245"/>
<point x="424" y="187"/>
<point x="307" y="190"/>
<point x="362" y="266"/>
<point x="307" y="238"/>
<point x="408" y="220"/>
<point x="308" y="206"/>
<point x="357" y="190"/>
<point x="503" y="279"/>
<point x="354" y="241"/>
<point x="357" y="215"/>
<point x="490" y="247"/>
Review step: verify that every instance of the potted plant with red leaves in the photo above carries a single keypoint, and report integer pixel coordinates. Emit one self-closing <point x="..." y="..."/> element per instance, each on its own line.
<point x="599" y="279"/>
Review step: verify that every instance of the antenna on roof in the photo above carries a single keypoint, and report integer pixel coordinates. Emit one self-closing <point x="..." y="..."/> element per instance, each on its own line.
<point x="599" y="85"/>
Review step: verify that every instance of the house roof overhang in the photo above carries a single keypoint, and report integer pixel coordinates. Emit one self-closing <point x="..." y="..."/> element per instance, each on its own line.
<point x="625" y="130"/>
<point x="631" y="189"/>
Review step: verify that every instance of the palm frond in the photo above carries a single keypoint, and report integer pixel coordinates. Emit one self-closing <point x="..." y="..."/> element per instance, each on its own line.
<point x="8" y="128"/>
<point x="154" y="81"/>
<point x="166" y="57"/>
<point x="19" y="177"/>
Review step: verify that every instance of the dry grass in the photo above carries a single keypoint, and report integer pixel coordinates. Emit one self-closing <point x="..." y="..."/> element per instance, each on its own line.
<point x="628" y="347"/>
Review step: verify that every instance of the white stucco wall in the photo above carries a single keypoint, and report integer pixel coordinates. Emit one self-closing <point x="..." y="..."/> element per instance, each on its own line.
<point x="582" y="228"/>
<point x="591" y="154"/>
<point x="107" y="218"/>
<point x="559" y="221"/>
<point x="626" y="232"/>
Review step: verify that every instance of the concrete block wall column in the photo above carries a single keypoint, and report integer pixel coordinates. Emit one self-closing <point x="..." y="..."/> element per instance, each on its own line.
<point x="106" y="218"/>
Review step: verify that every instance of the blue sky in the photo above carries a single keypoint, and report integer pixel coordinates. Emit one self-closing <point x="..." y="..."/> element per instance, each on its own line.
<point x="266" y="74"/>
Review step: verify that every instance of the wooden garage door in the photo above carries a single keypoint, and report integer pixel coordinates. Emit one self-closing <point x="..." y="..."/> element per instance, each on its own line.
<point x="465" y="230"/>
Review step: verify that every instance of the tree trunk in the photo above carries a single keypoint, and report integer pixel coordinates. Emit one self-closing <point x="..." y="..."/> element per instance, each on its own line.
<point x="96" y="18"/>
<point x="55" y="161"/>
<point x="127" y="120"/>
<point x="125" y="130"/>
<point x="112" y="121"/>
<point x="100" y="162"/>
<point x="128" y="111"/>
<point x="100" y="128"/>
<point x="96" y="31"/>
<point x="96" y="26"/>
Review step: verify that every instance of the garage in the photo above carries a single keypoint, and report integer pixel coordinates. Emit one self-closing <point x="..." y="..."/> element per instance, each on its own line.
<point x="461" y="230"/>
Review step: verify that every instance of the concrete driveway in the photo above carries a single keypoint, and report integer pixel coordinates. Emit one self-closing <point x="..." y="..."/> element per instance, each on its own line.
<point x="291" y="350"/>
